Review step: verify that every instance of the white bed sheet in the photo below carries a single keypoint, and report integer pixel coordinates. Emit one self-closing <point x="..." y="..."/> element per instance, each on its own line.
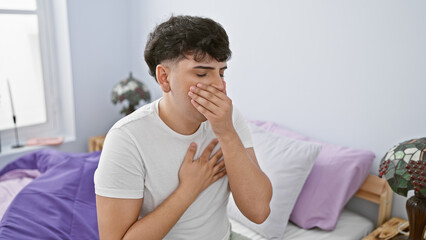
<point x="351" y="226"/>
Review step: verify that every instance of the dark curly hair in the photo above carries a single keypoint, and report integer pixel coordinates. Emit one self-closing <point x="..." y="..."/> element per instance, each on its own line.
<point x="186" y="35"/>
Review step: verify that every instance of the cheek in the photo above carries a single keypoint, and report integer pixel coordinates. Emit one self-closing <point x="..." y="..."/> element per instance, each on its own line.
<point x="190" y="83"/>
<point x="183" y="82"/>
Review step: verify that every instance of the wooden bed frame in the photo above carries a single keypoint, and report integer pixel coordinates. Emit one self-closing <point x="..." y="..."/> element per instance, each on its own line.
<point x="374" y="189"/>
<point x="378" y="191"/>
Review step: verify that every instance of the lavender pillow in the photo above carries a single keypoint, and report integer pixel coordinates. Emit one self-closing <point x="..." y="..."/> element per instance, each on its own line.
<point x="335" y="177"/>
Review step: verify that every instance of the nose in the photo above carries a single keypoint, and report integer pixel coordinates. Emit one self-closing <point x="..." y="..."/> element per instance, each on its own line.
<point x="218" y="82"/>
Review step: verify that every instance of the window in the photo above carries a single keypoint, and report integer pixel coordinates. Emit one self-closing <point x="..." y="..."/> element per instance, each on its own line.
<point x="20" y="65"/>
<point x="35" y="60"/>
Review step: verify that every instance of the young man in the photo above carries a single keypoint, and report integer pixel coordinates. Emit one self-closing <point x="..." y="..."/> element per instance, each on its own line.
<point x="166" y="170"/>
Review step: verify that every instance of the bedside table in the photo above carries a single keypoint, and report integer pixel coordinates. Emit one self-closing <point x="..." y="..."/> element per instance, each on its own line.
<point x="96" y="143"/>
<point x="388" y="230"/>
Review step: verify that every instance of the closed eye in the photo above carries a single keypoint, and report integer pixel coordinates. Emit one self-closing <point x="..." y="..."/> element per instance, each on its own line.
<point x="205" y="74"/>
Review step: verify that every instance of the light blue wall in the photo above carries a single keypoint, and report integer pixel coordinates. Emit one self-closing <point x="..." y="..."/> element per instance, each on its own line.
<point x="351" y="73"/>
<point x="100" y="50"/>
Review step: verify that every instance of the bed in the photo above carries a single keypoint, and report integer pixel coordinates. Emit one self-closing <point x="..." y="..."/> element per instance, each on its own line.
<point x="53" y="198"/>
<point x="351" y="225"/>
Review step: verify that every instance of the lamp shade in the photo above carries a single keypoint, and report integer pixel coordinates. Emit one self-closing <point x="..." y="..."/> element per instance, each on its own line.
<point x="132" y="90"/>
<point x="404" y="167"/>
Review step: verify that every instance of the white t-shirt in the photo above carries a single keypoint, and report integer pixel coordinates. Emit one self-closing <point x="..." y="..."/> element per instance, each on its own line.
<point x="141" y="158"/>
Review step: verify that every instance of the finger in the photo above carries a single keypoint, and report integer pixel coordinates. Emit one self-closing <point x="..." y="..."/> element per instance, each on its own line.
<point x="221" y="88"/>
<point x="219" y="175"/>
<point x="216" y="157"/>
<point x="208" y="104"/>
<point x="202" y="109"/>
<point x="222" y="101"/>
<point x="216" y="90"/>
<point x="204" y="94"/>
<point x="189" y="157"/>
<point x="219" y="166"/>
<point x="209" y="149"/>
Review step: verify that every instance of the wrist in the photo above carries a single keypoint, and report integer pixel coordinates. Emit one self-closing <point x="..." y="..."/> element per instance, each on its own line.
<point x="228" y="136"/>
<point x="187" y="193"/>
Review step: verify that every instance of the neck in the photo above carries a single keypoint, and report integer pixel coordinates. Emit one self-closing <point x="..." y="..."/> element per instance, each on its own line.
<point x="176" y="120"/>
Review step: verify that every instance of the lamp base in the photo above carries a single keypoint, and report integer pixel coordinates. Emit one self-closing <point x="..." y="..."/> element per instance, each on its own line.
<point x="405" y="238"/>
<point x="17" y="146"/>
<point x="416" y="211"/>
<point x="401" y="238"/>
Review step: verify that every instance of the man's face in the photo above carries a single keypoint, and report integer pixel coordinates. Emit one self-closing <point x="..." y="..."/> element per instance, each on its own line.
<point x="188" y="72"/>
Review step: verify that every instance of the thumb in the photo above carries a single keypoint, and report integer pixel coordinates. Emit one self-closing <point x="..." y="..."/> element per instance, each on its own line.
<point x="189" y="157"/>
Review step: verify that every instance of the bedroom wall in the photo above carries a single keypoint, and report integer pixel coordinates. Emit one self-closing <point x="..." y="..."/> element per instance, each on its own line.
<point x="100" y="50"/>
<point x="345" y="72"/>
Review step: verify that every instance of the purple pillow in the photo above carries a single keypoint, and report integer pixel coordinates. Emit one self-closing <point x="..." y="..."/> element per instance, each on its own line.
<point x="336" y="176"/>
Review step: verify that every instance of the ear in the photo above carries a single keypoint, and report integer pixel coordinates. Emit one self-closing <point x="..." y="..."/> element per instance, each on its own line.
<point x="162" y="74"/>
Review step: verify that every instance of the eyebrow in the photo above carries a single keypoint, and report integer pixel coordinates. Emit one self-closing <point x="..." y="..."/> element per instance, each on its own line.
<point x="209" y="68"/>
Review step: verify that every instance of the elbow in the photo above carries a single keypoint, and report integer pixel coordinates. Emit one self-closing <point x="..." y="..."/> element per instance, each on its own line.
<point x="262" y="212"/>
<point x="261" y="215"/>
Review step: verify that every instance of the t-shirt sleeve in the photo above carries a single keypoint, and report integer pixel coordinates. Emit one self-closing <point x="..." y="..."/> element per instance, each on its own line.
<point x="242" y="128"/>
<point x="120" y="173"/>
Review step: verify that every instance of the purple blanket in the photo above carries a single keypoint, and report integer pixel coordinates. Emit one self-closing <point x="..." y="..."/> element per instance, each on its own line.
<point x="59" y="204"/>
<point x="11" y="183"/>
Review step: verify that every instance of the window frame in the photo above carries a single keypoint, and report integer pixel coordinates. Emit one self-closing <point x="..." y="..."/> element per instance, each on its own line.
<point x="57" y="78"/>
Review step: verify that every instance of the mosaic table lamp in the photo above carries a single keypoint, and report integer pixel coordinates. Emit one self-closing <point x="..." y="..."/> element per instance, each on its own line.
<point x="133" y="91"/>
<point x="404" y="167"/>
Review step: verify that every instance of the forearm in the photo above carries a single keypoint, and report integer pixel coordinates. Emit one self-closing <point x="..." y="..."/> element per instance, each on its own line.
<point x="251" y="188"/>
<point x="158" y="223"/>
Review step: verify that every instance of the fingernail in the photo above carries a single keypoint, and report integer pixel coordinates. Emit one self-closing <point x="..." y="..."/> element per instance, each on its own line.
<point x="199" y="85"/>
<point x="193" y="144"/>
<point x="192" y="88"/>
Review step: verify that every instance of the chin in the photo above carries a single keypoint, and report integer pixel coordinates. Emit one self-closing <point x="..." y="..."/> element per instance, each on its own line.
<point x="202" y="118"/>
<point x="198" y="116"/>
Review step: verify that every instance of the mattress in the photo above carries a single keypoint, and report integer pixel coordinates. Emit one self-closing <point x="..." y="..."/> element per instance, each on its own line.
<point x="351" y="226"/>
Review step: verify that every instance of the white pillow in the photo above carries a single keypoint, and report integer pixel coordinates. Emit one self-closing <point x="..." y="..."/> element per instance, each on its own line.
<point x="287" y="162"/>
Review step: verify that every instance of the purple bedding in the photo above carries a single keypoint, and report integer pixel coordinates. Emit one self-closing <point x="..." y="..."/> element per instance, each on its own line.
<point x="59" y="204"/>
<point x="11" y="183"/>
